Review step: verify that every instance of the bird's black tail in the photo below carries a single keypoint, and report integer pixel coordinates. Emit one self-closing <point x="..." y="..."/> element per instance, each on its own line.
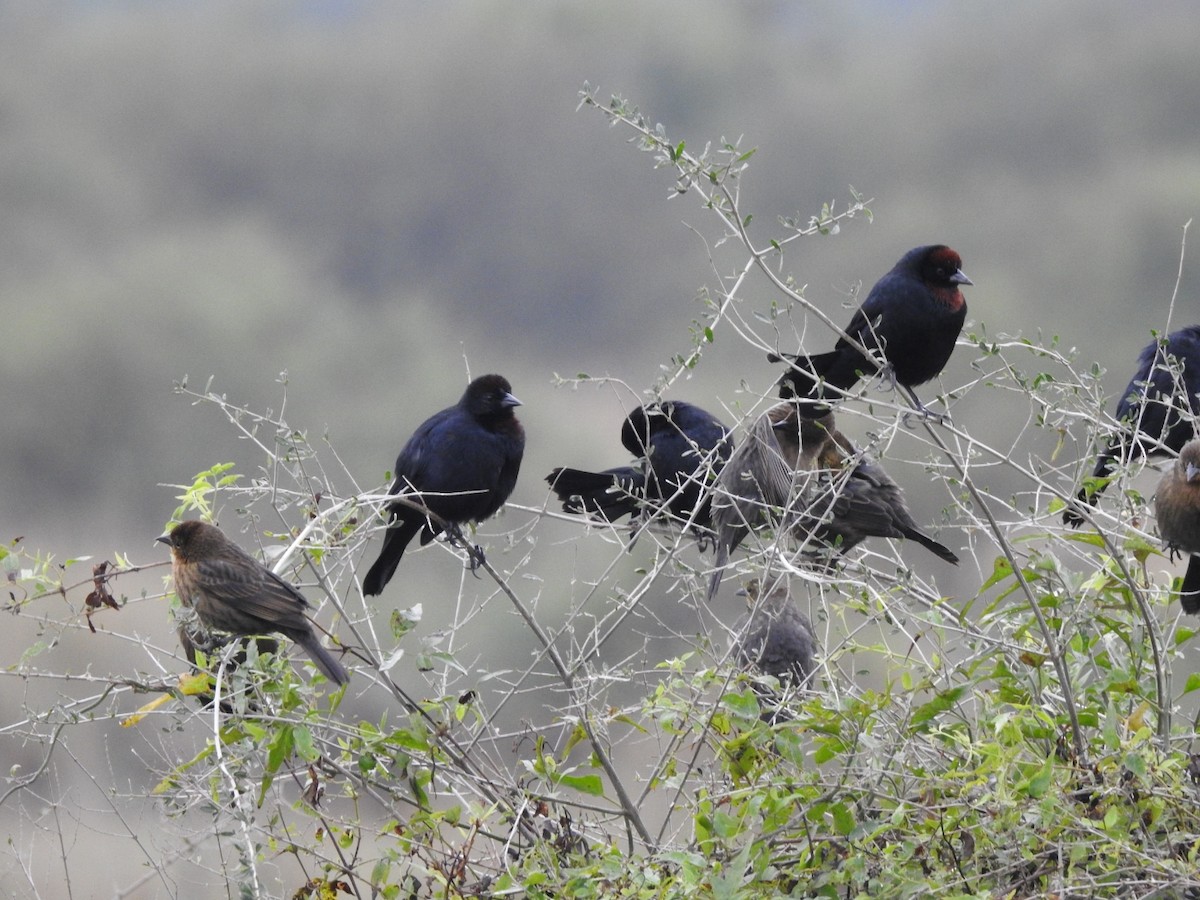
<point x="610" y="494"/>
<point x="394" y="543"/>
<point x="1189" y="593"/>
<point x="330" y="667"/>
<point x="1105" y="464"/>
<point x="932" y="546"/>
<point x="803" y="380"/>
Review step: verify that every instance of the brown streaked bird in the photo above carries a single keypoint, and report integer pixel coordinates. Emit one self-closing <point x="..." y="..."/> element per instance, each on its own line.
<point x="801" y="473"/>
<point x="1177" y="508"/>
<point x="232" y="591"/>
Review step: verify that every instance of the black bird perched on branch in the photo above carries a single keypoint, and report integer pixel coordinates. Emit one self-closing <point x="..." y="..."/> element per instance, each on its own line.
<point x="461" y="464"/>
<point x="1156" y="410"/>
<point x="775" y="637"/>
<point x="1177" y="508"/>
<point x="911" y="318"/>
<point x="232" y="591"/>
<point x="803" y="474"/>
<point x="680" y="448"/>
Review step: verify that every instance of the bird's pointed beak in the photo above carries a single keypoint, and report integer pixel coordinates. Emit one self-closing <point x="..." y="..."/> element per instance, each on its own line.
<point x="960" y="277"/>
<point x="510" y="401"/>
<point x="164" y="539"/>
<point x="1192" y="471"/>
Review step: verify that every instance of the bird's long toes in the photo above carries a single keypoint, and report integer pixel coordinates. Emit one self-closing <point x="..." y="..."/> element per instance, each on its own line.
<point x="922" y="415"/>
<point x="475" y="559"/>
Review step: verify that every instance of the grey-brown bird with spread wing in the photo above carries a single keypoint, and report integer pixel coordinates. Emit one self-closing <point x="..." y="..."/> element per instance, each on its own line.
<point x="232" y="591"/>
<point x="1177" y="508"/>
<point x="803" y="474"/>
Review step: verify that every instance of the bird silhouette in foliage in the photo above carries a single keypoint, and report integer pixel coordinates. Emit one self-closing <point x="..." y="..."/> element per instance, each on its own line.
<point x="461" y="464"/>
<point x="792" y="472"/>
<point x="680" y="448"/>
<point x="1157" y="411"/>
<point x="910" y="319"/>
<point x="1177" y="509"/>
<point x="778" y="640"/>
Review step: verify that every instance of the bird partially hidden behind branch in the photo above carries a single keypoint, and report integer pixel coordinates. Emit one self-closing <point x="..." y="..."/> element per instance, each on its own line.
<point x="231" y="591"/>
<point x="1177" y="508"/>
<point x="680" y="448"/>
<point x="778" y="640"/>
<point x="911" y="319"/>
<point x="1156" y="412"/>
<point x="214" y="648"/>
<point x="793" y="472"/>
<point x="461" y="464"/>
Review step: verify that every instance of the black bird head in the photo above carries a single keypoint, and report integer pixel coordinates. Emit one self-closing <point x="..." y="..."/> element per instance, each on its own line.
<point x="489" y="397"/>
<point x="641" y="425"/>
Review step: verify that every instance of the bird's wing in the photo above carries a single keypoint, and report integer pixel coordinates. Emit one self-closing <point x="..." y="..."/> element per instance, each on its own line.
<point x="251" y="589"/>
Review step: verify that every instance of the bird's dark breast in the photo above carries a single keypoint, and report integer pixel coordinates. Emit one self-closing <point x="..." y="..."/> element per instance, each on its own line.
<point x="918" y="356"/>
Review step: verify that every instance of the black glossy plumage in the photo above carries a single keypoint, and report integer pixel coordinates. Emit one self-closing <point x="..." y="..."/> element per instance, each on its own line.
<point x="1177" y="509"/>
<point x="803" y="474"/>
<point x="680" y="448"/>
<point x="911" y="317"/>
<point x="1154" y="408"/>
<point x="461" y="463"/>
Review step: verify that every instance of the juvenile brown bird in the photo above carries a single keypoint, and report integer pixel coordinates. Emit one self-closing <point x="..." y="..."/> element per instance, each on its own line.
<point x="775" y="637"/>
<point x="1177" y="508"/>
<point x="680" y="447"/>
<point x="1153" y="411"/>
<point x="911" y="318"/>
<point x="800" y="473"/>
<point x="232" y="591"/>
<point x="461" y="464"/>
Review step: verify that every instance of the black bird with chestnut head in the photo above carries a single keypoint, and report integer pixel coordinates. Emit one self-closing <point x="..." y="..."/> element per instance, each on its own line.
<point x="911" y="319"/>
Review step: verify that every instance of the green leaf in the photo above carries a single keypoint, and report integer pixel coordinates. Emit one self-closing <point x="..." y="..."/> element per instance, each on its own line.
<point x="937" y="706"/>
<point x="1040" y="783"/>
<point x="591" y="785"/>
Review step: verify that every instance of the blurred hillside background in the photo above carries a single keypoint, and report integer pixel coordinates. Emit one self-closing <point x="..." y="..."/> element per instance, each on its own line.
<point x="364" y="194"/>
<point x="375" y="196"/>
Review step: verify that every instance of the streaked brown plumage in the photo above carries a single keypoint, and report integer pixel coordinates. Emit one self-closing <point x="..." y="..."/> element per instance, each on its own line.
<point x="804" y="474"/>
<point x="232" y="591"/>
<point x="1177" y="508"/>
